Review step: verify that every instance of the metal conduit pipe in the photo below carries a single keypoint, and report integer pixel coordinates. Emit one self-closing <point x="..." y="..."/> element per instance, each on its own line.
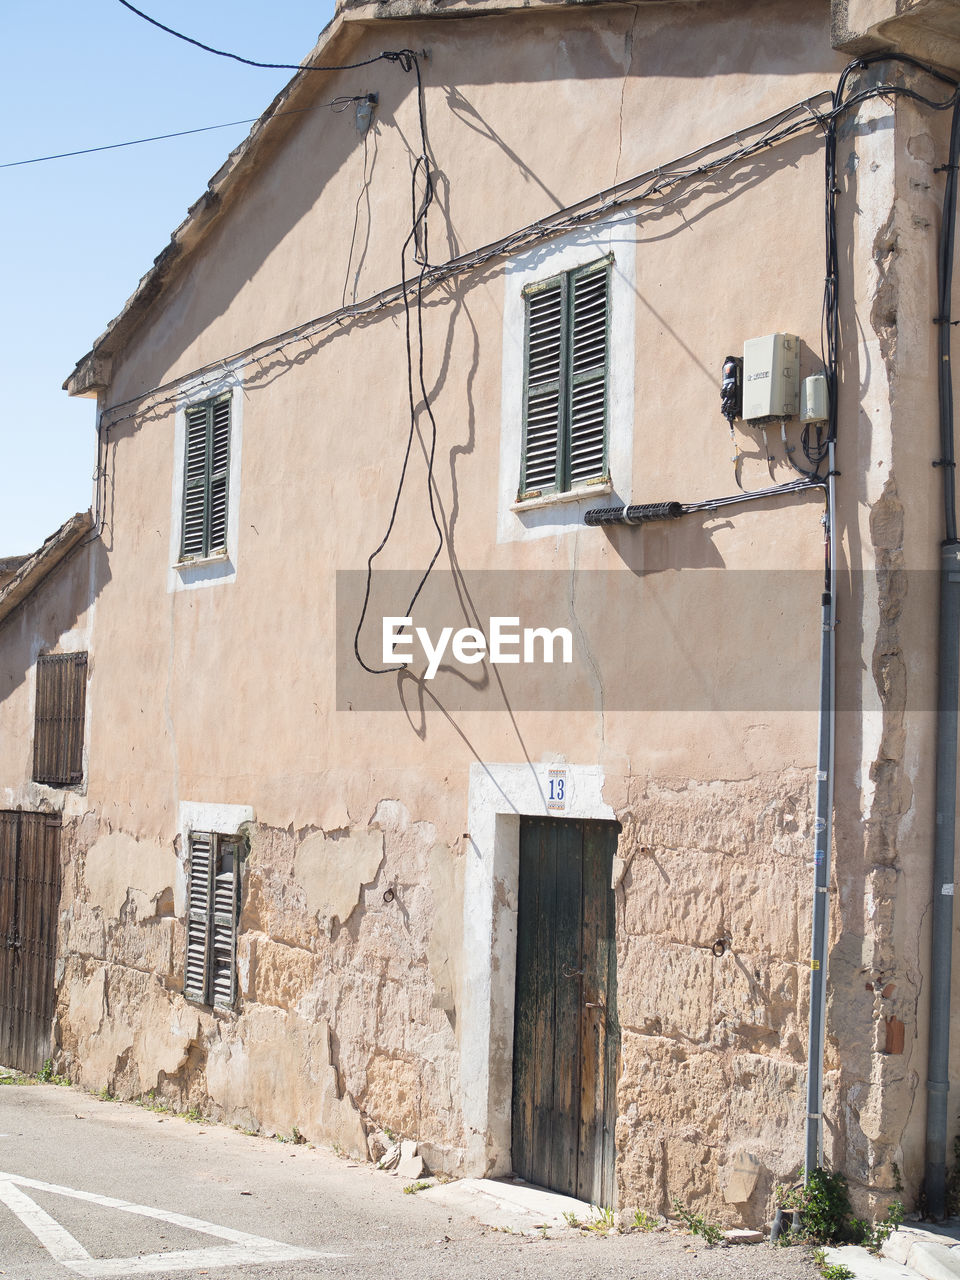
<point x="938" y="1053"/>
<point x="647" y="512"/>
<point x="823" y="833"/>
<point x="948" y="697"/>
<point x="826" y="734"/>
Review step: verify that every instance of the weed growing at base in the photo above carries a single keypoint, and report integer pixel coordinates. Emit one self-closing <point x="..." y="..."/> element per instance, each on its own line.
<point x="826" y="1214"/>
<point x="697" y="1224"/>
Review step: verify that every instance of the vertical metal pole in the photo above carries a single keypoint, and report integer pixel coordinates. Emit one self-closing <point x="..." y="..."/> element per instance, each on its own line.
<point x="823" y="836"/>
<point x="948" y="697"/>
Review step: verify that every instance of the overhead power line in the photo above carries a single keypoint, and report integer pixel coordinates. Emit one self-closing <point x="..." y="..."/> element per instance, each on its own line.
<point x="336" y="104"/>
<point x="687" y="172"/>
<point x="251" y="62"/>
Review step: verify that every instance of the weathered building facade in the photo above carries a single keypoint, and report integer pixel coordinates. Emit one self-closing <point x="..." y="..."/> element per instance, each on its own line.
<point x="550" y="916"/>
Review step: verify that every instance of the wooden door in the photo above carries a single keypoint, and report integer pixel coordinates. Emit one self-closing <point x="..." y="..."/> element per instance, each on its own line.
<point x="566" y="1036"/>
<point x="29" y="904"/>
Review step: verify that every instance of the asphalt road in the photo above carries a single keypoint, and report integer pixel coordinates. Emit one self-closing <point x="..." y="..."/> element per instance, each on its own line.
<point x="100" y="1188"/>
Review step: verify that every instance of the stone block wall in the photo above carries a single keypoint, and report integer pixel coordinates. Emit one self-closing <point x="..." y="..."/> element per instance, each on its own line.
<point x="344" y="1022"/>
<point x="711" y="1098"/>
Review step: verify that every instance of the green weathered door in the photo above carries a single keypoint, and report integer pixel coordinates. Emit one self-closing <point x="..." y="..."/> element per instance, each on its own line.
<point x="566" y="1037"/>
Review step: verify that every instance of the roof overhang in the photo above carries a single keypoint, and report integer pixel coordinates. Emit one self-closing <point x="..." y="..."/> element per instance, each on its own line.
<point x="928" y="29"/>
<point x="32" y="569"/>
<point x="353" y="19"/>
<point x="925" y="29"/>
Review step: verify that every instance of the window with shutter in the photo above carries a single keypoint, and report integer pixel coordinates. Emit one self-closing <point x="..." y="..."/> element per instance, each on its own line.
<point x="205" y="478"/>
<point x="213" y="909"/>
<point x="566" y="348"/>
<point x="58" y="723"/>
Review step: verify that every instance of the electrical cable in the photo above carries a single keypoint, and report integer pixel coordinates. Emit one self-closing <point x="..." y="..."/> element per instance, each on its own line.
<point x="948" y="692"/>
<point x="790" y="486"/>
<point x="814" y="440"/>
<point x="948" y="221"/>
<point x="625" y="193"/>
<point x="99" y="481"/>
<point x="789" y="450"/>
<point x="646" y="512"/>
<point x="637" y="190"/>
<point x="418" y="238"/>
<point x="824" y="450"/>
<point x="251" y="62"/>
<point x="336" y="104"/>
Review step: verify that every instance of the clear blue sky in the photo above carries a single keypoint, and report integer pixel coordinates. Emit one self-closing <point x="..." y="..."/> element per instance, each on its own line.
<point x="78" y="234"/>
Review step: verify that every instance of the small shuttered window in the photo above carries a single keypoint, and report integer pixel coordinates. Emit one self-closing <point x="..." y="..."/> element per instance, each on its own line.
<point x="566" y="358"/>
<point x="58" y="726"/>
<point x="205" y="478"/>
<point x="213" y="911"/>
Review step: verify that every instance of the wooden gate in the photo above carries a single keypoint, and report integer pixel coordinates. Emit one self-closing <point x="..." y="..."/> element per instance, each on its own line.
<point x="566" y="1036"/>
<point x="29" y="904"/>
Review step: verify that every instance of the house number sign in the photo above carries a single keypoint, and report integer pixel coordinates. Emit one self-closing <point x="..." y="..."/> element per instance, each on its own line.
<point x="557" y="790"/>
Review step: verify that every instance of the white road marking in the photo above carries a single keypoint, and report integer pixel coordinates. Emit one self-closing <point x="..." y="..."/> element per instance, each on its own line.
<point x="57" y="1241"/>
<point x="189" y="1259"/>
<point x="243" y="1250"/>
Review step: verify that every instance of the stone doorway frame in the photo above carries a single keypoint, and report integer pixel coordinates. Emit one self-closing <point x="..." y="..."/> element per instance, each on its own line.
<point x="499" y="795"/>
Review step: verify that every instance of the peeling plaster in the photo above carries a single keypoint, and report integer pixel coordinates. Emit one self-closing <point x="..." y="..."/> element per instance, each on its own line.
<point x="332" y="872"/>
<point x="443" y="951"/>
<point x="117" y="864"/>
<point x="222" y="819"/>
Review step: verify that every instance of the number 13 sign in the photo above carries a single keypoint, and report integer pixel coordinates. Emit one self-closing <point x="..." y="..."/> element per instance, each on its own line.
<point x="557" y="790"/>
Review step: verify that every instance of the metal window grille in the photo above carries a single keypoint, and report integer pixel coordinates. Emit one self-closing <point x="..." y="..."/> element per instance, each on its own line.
<point x="205" y="478"/>
<point x="58" y="726"/>
<point x="566" y="359"/>
<point x="213" y="910"/>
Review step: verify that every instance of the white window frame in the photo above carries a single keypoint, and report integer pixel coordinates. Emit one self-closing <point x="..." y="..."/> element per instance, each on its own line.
<point x="221" y="567"/>
<point x="558" y="513"/>
<point x="213" y="819"/>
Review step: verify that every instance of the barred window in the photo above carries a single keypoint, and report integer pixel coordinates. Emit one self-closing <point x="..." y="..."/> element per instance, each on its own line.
<point x="58" y="727"/>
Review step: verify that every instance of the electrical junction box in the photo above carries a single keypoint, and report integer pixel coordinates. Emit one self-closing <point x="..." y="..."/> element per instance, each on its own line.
<point x="814" y="403"/>
<point x="771" y="377"/>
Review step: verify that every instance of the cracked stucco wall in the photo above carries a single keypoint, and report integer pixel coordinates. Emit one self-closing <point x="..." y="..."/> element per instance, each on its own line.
<point x="355" y="1011"/>
<point x="338" y="1007"/>
<point x="877" y="1005"/>
<point x="352" y="1004"/>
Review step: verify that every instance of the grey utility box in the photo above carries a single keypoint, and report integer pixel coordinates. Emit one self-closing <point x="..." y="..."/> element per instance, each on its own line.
<point x="771" y="377"/>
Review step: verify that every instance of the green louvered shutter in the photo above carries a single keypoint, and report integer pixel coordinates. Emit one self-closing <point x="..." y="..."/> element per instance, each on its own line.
<point x="205" y="478"/>
<point x="588" y="376"/>
<point x="219" y="472"/>
<point x="195" y="483"/>
<point x="226" y="901"/>
<point x="543" y="383"/>
<point x="566" y="358"/>
<point x="198" y="916"/>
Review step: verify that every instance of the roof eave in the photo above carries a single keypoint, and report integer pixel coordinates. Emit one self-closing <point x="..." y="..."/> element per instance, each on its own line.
<point x="93" y="372"/>
<point x="35" y="567"/>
